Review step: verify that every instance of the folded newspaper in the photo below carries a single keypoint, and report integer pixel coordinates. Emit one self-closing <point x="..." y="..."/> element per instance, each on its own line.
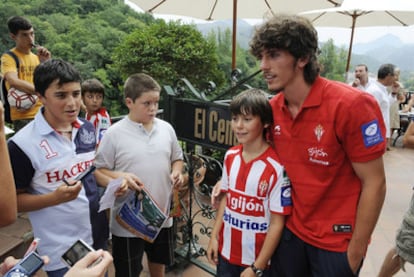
<point x="142" y="216"/>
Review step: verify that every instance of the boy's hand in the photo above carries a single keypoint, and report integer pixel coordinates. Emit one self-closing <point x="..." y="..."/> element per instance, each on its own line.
<point x="177" y="179"/>
<point x="83" y="267"/>
<point x="65" y="193"/>
<point x="43" y="53"/>
<point x="10" y="261"/>
<point x="248" y="272"/>
<point x="132" y="182"/>
<point x="215" y="195"/>
<point x="212" y="250"/>
<point x="123" y="188"/>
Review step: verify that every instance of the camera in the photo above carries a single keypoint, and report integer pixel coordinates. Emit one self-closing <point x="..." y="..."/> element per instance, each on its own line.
<point x="27" y="266"/>
<point x="76" y="252"/>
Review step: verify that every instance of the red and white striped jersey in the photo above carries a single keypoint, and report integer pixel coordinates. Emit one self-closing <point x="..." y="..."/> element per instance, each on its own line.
<point x="254" y="190"/>
<point x="101" y="121"/>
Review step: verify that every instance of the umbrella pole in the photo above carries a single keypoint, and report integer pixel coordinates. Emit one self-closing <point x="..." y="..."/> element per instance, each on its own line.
<point x="233" y="49"/>
<point x="354" y="17"/>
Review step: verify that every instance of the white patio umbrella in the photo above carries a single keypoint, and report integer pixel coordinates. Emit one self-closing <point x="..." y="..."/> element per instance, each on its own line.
<point x="364" y="13"/>
<point x="231" y="9"/>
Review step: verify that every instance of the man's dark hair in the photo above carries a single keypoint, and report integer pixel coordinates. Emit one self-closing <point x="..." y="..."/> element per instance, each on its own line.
<point x="52" y="70"/>
<point x="17" y="23"/>
<point x="364" y="65"/>
<point x="291" y="33"/>
<point x="385" y="70"/>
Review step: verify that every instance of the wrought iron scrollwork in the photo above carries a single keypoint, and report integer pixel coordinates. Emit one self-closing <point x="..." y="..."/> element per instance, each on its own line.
<point x="197" y="218"/>
<point x="183" y="87"/>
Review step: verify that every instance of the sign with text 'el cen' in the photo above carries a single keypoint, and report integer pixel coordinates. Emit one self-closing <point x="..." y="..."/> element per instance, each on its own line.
<point x="204" y="123"/>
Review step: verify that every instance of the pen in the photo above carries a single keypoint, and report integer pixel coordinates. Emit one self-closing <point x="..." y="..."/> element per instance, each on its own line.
<point x="32" y="246"/>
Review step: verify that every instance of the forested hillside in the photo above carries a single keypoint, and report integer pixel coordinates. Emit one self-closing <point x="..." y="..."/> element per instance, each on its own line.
<point x="81" y="32"/>
<point x="107" y="40"/>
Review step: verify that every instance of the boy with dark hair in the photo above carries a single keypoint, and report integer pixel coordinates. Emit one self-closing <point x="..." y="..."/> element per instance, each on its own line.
<point x="55" y="146"/>
<point x="93" y="92"/>
<point x="144" y="150"/>
<point x="244" y="239"/>
<point x="21" y="79"/>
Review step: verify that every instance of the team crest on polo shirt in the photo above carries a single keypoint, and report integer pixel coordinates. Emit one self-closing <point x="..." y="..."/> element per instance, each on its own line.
<point x="371" y="133"/>
<point x="319" y="132"/>
<point x="276" y="130"/>
<point x="87" y="137"/>
<point x="85" y="141"/>
<point x="263" y="185"/>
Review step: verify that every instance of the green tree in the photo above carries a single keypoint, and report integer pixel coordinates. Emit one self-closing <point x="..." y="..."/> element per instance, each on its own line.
<point x="86" y="34"/>
<point x="407" y="78"/>
<point x="245" y="62"/>
<point x="41" y="7"/>
<point x="168" y="52"/>
<point x="7" y="10"/>
<point x="333" y="61"/>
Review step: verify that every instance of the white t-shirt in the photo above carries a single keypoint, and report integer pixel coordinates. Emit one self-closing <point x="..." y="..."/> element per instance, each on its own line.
<point x="128" y="147"/>
<point x="379" y="91"/>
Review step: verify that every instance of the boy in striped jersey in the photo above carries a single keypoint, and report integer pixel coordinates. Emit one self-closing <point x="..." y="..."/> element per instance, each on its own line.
<point x="93" y="92"/>
<point x="256" y="193"/>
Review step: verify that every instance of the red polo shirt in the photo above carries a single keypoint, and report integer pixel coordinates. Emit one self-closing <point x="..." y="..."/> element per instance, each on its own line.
<point x="337" y="125"/>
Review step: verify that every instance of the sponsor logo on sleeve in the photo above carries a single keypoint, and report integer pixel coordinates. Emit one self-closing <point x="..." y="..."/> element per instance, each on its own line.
<point x="371" y="133"/>
<point x="286" y="196"/>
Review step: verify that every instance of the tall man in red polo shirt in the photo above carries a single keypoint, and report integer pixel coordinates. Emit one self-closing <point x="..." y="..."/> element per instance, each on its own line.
<point x="331" y="138"/>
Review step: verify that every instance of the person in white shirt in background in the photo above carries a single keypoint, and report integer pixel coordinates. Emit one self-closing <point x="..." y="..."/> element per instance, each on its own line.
<point x="362" y="79"/>
<point x="387" y="76"/>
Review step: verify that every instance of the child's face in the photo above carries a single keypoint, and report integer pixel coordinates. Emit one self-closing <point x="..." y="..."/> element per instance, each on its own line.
<point x="248" y="128"/>
<point x="24" y="39"/>
<point x="144" y="108"/>
<point x="61" y="103"/>
<point x="93" y="101"/>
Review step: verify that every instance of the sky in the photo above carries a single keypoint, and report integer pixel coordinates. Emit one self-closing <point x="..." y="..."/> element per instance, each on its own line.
<point x="340" y="36"/>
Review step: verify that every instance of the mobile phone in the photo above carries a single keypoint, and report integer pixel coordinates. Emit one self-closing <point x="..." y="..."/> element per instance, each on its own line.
<point x="27" y="266"/>
<point x="76" y="252"/>
<point x="85" y="174"/>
